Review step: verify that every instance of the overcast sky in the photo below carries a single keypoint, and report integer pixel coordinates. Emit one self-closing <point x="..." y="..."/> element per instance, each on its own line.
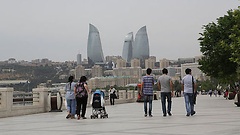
<point x="58" y="29"/>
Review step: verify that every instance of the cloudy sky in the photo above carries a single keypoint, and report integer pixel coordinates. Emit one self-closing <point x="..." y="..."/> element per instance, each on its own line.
<point x="58" y="29"/>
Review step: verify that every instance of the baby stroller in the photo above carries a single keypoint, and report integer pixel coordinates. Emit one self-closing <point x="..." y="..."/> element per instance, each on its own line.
<point x="98" y="108"/>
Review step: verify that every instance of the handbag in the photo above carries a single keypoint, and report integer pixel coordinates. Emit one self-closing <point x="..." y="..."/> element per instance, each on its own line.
<point x="194" y="93"/>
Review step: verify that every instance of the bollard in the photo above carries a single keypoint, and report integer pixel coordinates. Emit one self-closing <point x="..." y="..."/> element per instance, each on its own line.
<point x="55" y="95"/>
<point x="237" y="99"/>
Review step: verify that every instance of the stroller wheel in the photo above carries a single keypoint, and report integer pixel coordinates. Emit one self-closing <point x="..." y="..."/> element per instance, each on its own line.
<point x="91" y="116"/>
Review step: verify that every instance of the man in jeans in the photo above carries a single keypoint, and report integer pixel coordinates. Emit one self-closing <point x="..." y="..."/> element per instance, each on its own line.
<point x="165" y="85"/>
<point x="189" y="88"/>
<point x="147" y="91"/>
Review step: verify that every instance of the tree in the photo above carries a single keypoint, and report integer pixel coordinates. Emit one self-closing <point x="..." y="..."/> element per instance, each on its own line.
<point x="220" y="45"/>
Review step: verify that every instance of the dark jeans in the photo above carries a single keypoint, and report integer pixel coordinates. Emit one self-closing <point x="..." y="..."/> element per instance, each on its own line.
<point x="165" y="95"/>
<point x="81" y="104"/>
<point x="148" y="98"/>
<point x="112" y="97"/>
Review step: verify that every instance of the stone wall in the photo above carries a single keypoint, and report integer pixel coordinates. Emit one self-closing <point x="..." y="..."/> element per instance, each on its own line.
<point x="42" y="101"/>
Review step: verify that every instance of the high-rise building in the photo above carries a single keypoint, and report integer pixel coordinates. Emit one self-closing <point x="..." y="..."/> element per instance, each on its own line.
<point x="79" y="59"/>
<point x="94" y="47"/>
<point x="128" y="47"/>
<point x="141" y="44"/>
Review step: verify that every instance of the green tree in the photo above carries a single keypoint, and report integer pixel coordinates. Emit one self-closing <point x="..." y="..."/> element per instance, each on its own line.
<point x="220" y="45"/>
<point x="208" y="84"/>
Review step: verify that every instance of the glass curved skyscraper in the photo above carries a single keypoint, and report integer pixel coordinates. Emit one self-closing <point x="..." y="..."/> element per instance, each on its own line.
<point x="128" y="47"/>
<point x="94" y="46"/>
<point x="141" y="44"/>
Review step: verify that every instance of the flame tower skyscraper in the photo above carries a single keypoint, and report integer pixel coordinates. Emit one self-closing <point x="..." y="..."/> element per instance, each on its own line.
<point x="128" y="47"/>
<point x="141" y="44"/>
<point x="94" y="46"/>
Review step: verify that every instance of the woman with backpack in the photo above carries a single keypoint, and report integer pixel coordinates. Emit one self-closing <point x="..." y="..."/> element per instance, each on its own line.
<point x="81" y="92"/>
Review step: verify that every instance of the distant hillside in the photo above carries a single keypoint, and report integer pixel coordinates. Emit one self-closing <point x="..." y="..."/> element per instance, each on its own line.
<point x="35" y="74"/>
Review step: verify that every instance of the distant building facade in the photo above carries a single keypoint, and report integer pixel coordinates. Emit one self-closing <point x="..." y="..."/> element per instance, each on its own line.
<point x="164" y="63"/>
<point x="128" y="71"/>
<point x="79" y="71"/>
<point x="186" y="60"/>
<point x="102" y="82"/>
<point x="97" y="71"/>
<point x="150" y="62"/>
<point x="196" y="72"/>
<point x="135" y="63"/>
<point x="121" y="63"/>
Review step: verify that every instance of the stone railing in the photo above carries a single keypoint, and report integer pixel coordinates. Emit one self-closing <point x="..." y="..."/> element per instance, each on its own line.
<point x="8" y="107"/>
<point x="12" y="104"/>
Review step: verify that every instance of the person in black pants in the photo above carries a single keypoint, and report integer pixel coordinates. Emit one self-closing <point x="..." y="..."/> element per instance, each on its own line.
<point x="81" y="92"/>
<point x="112" y="92"/>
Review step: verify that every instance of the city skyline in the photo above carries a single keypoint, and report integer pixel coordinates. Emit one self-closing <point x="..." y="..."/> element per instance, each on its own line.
<point x="58" y="29"/>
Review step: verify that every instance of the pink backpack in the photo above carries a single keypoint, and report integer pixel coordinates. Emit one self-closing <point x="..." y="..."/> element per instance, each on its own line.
<point x="80" y="90"/>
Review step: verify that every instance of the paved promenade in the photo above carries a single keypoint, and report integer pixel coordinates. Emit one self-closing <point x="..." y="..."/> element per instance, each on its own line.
<point x="215" y="116"/>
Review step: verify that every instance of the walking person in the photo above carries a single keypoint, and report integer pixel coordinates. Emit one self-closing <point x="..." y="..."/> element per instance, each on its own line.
<point x="165" y="85"/>
<point x="112" y="95"/>
<point x="81" y="91"/>
<point x="147" y="91"/>
<point x="70" y="98"/>
<point x="189" y="89"/>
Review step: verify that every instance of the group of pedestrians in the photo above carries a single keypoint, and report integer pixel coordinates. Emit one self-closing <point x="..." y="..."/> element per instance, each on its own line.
<point x="76" y="93"/>
<point x="165" y="85"/>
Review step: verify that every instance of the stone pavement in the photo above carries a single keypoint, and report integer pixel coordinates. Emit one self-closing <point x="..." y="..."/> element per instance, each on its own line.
<point x="215" y="116"/>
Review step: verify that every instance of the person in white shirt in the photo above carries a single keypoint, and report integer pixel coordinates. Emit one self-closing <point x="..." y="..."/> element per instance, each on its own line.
<point x="112" y="94"/>
<point x="189" y="89"/>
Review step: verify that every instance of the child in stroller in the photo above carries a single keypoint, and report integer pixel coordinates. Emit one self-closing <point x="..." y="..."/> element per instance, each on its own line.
<point x="98" y="108"/>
